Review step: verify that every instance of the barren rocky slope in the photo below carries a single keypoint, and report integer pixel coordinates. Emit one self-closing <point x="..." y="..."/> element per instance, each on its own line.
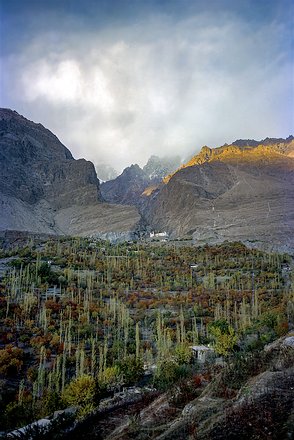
<point x="128" y="186"/>
<point x="44" y="189"/>
<point x="235" y="192"/>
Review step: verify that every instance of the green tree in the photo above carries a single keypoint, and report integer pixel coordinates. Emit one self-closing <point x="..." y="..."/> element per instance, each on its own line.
<point x="111" y="377"/>
<point x="183" y="354"/>
<point x="224" y="336"/>
<point x="131" y="368"/>
<point x="81" y="392"/>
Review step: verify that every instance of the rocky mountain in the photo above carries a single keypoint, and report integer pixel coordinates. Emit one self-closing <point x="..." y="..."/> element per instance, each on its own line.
<point x="242" y="191"/>
<point x="234" y="192"/>
<point x="126" y="188"/>
<point x="158" y="167"/>
<point x="129" y="186"/>
<point x="44" y="189"/>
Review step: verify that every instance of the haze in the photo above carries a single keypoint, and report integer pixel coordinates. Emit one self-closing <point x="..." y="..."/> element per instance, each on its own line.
<point x="118" y="81"/>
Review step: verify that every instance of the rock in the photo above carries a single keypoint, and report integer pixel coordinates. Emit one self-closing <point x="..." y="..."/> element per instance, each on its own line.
<point x="43" y="189"/>
<point x="289" y="342"/>
<point x="129" y="186"/>
<point x="235" y="193"/>
<point x="126" y="188"/>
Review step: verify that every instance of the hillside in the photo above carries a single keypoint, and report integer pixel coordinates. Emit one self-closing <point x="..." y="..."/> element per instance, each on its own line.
<point x="44" y="189"/>
<point x="128" y="187"/>
<point x="254" y="403"/>
<point x="228" y="193"/>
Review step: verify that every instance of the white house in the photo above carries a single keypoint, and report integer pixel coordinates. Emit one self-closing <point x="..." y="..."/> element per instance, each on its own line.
<point x="163" y="234"/>
<point x="201" y="352"/>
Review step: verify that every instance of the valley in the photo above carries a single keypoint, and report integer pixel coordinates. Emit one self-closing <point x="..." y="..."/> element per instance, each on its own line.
<point x="84" y="313"/>
<point x="146" y="220"/>
<point x="149" y="306"/>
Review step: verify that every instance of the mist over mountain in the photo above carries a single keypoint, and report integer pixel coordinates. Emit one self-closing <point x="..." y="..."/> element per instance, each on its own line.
<point x="156" y="77"/>
<point x="105" y="172"/>
<point x="159" y="167"/>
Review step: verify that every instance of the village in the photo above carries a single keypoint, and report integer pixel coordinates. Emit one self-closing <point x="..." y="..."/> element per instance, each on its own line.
<point x="129" y="320"/>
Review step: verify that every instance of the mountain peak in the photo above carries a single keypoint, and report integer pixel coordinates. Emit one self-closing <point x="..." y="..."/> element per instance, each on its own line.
<point x="36" y="165"/>
<point x="44" y="189"/>
<point x="234" y="192"/>
<point x="129" y="186"/>
<point x="246" y="148"/>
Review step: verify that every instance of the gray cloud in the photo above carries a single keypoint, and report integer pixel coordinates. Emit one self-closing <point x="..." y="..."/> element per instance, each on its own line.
<point x="155" y="86"/>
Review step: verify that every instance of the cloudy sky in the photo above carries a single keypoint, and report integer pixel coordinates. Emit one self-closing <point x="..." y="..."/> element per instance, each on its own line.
<point x="119" y="80"/>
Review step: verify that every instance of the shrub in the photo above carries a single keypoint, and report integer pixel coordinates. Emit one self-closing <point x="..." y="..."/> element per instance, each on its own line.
<point x="131" y="368"/>
<point x="81" y="392"/>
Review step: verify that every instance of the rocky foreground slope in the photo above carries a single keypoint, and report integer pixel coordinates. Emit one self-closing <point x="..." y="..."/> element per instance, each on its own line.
<point x="242" y="191"/>
<point x="44" y="189"/>
<point x="250" y="397"/>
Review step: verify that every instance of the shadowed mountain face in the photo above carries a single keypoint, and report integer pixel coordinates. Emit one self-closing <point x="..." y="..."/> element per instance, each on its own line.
<point x="44" y="189"/>
<point x="229" y="193"/>
<point x="126" y="188"/>
<point x="35" y="165"/>
<point x="129" y="186"/>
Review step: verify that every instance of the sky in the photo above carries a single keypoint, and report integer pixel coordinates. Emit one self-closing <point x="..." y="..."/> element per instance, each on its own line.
<point x="120" y="80"/>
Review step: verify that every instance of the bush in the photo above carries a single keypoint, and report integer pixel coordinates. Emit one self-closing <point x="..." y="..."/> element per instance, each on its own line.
<point x="111" y="377"/>
<point x="11" y="361"/>
<point x="168" y="373"/>
<point x="224" y="336"/>
<point x="131" y="369"/>
<point x="81" y="392"/>
<point x="18" y="414"/>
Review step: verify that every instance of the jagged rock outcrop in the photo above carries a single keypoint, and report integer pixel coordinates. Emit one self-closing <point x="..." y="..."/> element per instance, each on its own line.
<point x="158" y="167"/>
<point x="44" y="189"/>
<point x="129" y="186"/>
<point x="230" y="193"/>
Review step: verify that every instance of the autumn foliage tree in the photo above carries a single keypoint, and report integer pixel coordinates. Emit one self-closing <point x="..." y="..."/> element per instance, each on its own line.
<point x="81" y="392"/>
<point x="224" y="336"/>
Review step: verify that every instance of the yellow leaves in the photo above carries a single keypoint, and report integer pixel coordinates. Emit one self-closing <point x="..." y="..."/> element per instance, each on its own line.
<point x="183" y="354"/>
<point x="10" y="360"/>
<point x="110" y="376"/>
<point x="80" y="392"/>
<point x="224" y="342"/>
<point x="224" y="337"/>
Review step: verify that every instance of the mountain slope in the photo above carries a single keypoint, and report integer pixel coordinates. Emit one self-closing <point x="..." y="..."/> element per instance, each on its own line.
<point x="128" y="187"/>
<point x="158" y="167"/>
<point x="40" y="180"/>
<point x="229" y="193"/>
